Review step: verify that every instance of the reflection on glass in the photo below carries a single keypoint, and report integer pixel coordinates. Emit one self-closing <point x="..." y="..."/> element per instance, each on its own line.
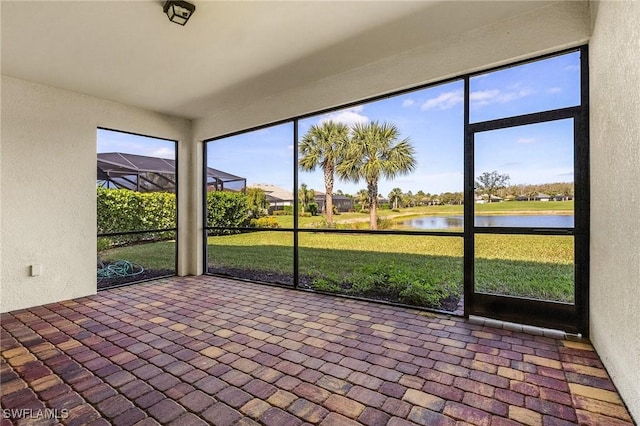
<point x="524" y="176"/>
<point x="258" y="256"/>
<point x="414" y="168"/>
<point x="250" y="179"/>
<point x="542" y="85"/>
<point x="414" y="270"/>
<point x="121" y="262"/>
<point x="531" y="266"/>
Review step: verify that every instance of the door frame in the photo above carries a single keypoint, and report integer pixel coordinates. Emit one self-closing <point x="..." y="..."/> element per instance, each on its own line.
<point x="569" y="317"/>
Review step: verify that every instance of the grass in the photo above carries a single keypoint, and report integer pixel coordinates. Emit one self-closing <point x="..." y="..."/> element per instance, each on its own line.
<point x="533" y="266"/>
<point x="159" y="255"/>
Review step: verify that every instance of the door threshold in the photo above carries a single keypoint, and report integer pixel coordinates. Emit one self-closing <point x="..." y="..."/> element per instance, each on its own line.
<point x="524" y="328"/>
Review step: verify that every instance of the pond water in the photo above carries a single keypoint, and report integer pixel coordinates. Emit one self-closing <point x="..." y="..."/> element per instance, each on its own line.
<point x="520" y="221"/>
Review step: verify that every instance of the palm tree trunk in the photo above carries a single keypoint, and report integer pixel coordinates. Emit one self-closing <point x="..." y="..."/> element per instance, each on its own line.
<point x="372" y="187"/>
<point x="328" y="196"/>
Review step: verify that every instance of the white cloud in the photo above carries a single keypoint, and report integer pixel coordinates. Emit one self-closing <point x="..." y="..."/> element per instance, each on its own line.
<point x="444" y="101"/>
<point x="348" y="116"/>
<point x="478" y="98"/>
<point x="407" y="103"/>
<point x="493" y="96"/>
<point x="554" y="90"/>
<point x="290" y="147"/>
<point x="483" y="97"/>
<point x="163" y="152"/>
<point x="572" y="68"/>
<point x="514" y="95"/>
<point x="526" y="140"/>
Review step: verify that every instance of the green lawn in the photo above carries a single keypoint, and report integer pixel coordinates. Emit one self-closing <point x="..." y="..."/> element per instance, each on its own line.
<point x="528" y="266"/>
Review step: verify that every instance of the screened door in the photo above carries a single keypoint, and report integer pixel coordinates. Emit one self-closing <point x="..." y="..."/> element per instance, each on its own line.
<point x="526" y="249"/>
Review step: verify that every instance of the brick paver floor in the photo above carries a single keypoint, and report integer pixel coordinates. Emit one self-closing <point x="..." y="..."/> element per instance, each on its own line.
<point x="198" y="350"/>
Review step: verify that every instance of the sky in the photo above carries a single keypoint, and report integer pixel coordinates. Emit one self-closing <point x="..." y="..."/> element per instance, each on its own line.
<point x="432" y="119"/>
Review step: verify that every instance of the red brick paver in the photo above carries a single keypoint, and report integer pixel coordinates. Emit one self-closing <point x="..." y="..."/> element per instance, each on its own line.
<point x="206" y="350"/>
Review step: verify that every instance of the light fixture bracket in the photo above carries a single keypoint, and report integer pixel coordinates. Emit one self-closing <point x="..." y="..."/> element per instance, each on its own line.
<point x="179" y="11"/>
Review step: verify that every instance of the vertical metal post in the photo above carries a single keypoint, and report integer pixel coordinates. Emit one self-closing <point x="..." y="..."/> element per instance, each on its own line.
<point x="469" y="279"/>
<point x="582" y="199"/>
<point x="176" y="224"/>
<point x="295" y="204"/>
<point x="205" y="188"/>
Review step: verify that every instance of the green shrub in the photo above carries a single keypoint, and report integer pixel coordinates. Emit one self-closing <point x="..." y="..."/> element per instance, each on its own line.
<point x="384" y="223"/>
<point x="264" y="222"/>
<point x="312" y="208"/>
<point x="281" y="213"/>
<point x="257" y="202"/>
<point x="394" y="282"/>
<point x="384" y="206"/>
<point x="122" y="210"/>
<point x="227" y="210"/>
<point x="288" y="210"/>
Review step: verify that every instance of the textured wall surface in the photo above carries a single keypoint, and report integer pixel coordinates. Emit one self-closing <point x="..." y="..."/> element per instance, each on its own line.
<point x="48" y="174"/>
<point x="615" y="194"/>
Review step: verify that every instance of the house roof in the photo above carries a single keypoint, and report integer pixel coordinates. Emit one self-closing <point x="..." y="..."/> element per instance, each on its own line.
<point x="230" y="53"/>
<point x="273" y="191"/>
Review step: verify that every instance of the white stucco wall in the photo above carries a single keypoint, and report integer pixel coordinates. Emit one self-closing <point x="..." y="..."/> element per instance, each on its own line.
<point x="615" y="194"/>
<point x="47" y="187"/>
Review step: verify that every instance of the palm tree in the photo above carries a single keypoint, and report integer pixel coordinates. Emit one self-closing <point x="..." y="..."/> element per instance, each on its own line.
<point x="323" y="146"/>
<point x="395" y="196"/>
<point x="374" y="151"/>
<point x="305" y="196"/>
<point x="362" y="197"/>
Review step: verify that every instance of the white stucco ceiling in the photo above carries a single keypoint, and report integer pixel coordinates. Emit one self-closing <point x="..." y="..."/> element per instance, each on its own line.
<point x="230" y="51"/>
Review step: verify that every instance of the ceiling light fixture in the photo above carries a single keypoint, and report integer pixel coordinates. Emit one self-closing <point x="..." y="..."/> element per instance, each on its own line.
<point x="179" y="11"/>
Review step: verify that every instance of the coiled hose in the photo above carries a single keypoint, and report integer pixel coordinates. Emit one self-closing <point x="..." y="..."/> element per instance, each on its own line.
<point x="118" y="269"/>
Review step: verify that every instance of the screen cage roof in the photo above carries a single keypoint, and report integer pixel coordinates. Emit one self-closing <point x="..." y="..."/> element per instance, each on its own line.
<point x="152" y="174"/>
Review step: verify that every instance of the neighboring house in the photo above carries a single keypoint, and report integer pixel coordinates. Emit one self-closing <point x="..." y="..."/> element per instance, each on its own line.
<point x="481" y="199"/>
<point x="538" y="197"/>
<point x="277" y="197"/>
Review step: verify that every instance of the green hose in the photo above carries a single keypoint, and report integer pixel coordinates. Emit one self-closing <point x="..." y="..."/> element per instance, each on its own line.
<point x="118" y="269"/>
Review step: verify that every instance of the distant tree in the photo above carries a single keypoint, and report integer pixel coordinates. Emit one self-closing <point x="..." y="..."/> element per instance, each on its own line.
<point x="375" y="151"/>
<point x="395" y="197"/>
<point x="257" y="202"/>
<point x="362" y="197"/>
<point x="409" y="199"/>
<point x="490" y="182"/>
<point x="305" y="197"/>
<point x="323" y="147"/>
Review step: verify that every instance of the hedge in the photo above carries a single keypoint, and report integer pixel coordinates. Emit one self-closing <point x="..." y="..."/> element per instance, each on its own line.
<point x="122" y="210"/>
